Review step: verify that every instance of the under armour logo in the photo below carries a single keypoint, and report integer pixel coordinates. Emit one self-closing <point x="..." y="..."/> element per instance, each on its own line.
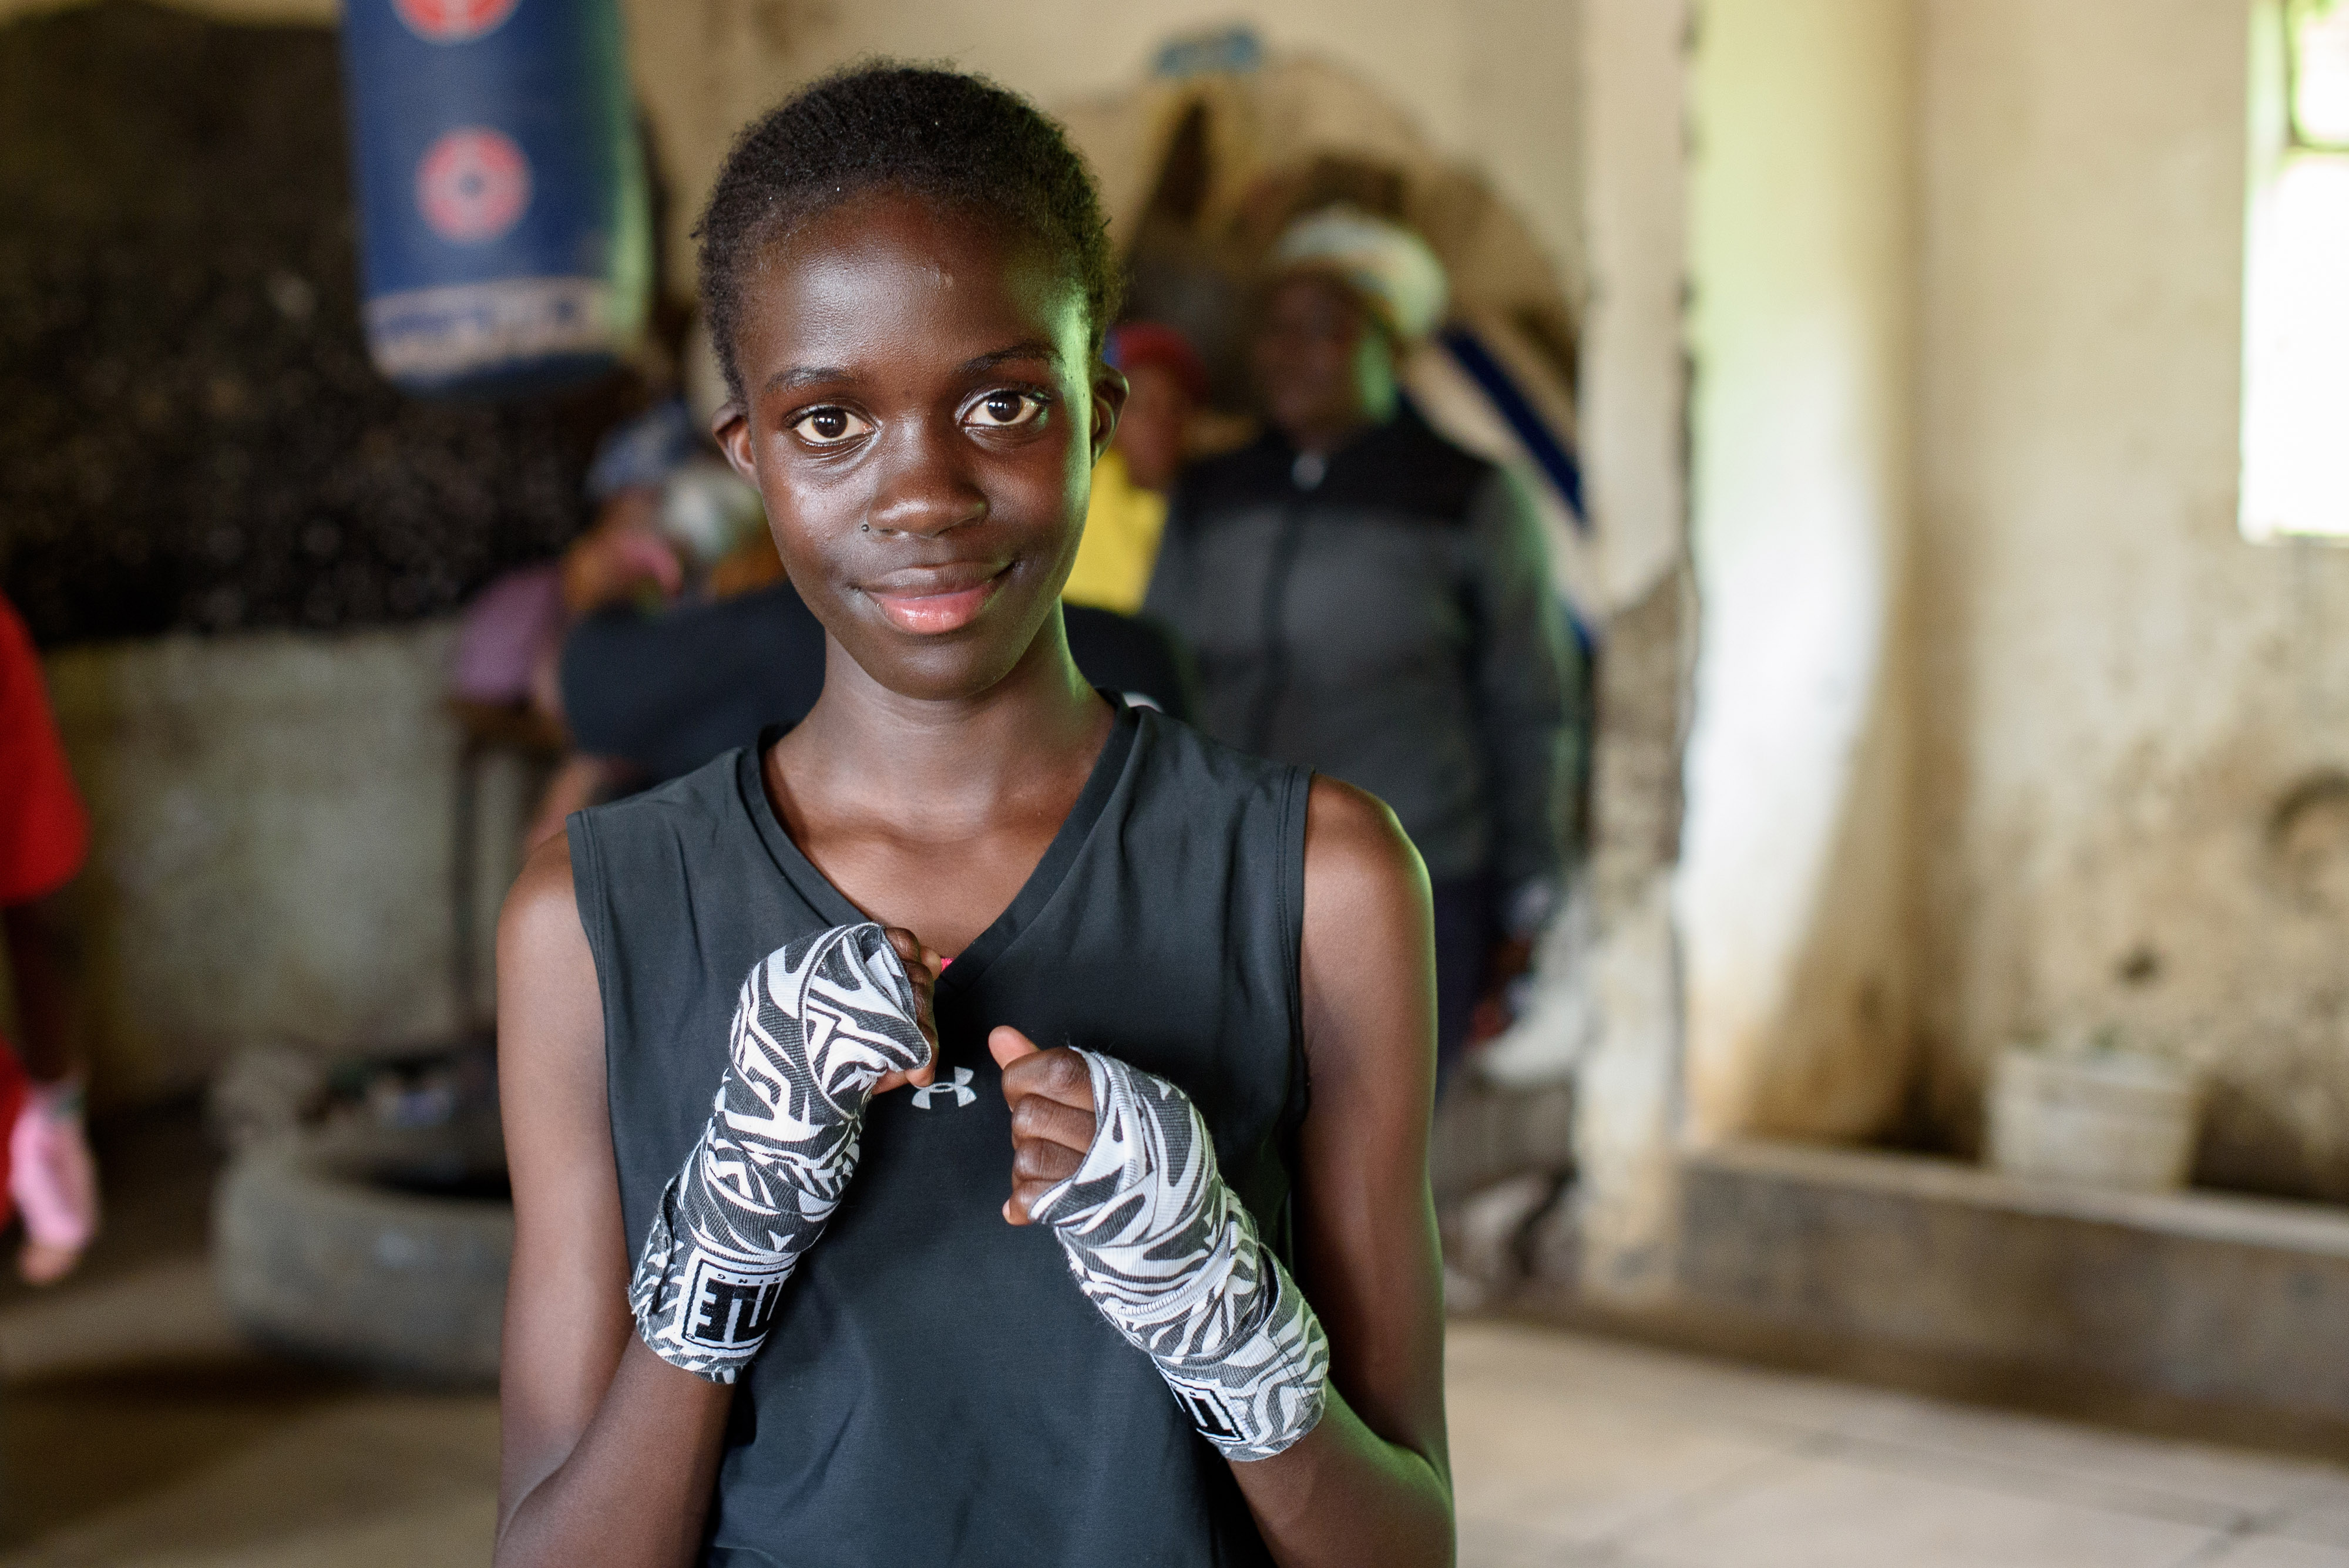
<point x="960" y="1088"/>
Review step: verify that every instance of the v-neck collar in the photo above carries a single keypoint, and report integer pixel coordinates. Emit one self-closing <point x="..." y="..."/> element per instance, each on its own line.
<point x="1051" y="871"/>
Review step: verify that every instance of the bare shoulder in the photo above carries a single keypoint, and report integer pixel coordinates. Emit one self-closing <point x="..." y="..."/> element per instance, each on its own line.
<point x="1367" y="968"/>
<point x="550" y="1006"/>
<point x="542" y="908"/>
<point x="1359" y="864"/>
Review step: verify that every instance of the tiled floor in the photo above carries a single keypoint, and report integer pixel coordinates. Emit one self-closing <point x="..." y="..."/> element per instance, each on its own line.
<point x="136" y="1432"/>
<point x="1576" y="1451"/>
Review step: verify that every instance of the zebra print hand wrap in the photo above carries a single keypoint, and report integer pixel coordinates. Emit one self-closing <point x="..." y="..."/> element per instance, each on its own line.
<point x="1162" y="1247"/>
<point x="819" y="1022"/>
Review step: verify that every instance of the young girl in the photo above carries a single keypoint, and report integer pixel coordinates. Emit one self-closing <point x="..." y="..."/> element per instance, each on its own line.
<point x="1081" y="1218"/>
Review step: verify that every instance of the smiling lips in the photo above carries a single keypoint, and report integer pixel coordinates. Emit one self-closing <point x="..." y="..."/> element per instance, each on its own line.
<point x="927" y="611"/>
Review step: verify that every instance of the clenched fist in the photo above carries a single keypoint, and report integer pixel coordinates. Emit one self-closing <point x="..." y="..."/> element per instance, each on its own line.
<point x="823" y="1024"/>
<point x="1121" y="1165"/>
<point x="1051" y="1098"/>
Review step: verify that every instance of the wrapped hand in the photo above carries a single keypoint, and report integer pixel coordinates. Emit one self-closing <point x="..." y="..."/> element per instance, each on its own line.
<point x="822" y="1022"/>
<point x="1161" y="1246"/>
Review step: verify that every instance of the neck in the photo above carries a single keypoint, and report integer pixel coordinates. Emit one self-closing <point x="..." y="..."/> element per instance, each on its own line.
<point x="864" y="750"/>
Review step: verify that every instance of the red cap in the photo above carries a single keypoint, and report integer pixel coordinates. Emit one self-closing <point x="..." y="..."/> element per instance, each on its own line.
<point x="1154" y="343"/>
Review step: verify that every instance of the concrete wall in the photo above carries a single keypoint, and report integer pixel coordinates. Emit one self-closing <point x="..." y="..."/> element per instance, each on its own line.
<point x="1629" y="1081"/>
<point x="2130" y="811"/>
<point x="1633" y="418"/>
<point x="273" y="847"/>
<point x="1792" y="889"/>
<point x="2115" y="795"/>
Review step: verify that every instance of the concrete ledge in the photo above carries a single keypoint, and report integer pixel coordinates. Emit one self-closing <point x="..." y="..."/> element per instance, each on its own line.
<point x="2193" y="1296"/>
<point x="2197" y="1215"/>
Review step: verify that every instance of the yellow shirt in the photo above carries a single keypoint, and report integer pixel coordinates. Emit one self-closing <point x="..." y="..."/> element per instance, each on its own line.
<point x="1121" y="545"/>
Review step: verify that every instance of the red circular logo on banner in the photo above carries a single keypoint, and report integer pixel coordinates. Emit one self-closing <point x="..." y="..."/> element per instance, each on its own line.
<point x="472" y="184"/>
<point x="453" y="21"/>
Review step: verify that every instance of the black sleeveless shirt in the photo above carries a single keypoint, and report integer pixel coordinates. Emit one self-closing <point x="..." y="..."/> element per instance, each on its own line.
<point x="935" y="1390"/>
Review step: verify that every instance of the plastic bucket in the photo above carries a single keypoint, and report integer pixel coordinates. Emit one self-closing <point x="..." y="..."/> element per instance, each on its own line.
<point x="2111" y="1118"/>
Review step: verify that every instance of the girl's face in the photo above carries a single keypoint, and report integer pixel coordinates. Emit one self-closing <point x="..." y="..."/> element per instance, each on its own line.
<point x="925" y="408"/>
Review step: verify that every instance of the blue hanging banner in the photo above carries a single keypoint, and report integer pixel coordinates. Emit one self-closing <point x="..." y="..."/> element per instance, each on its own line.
<point x="505" y="232"/>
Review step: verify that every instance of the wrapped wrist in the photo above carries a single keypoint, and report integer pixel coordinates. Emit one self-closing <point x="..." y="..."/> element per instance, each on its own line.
<point x="819" y="1023"/>
<point x="1172" y="1259"/>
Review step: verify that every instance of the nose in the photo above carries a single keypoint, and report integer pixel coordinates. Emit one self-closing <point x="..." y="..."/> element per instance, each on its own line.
<point x="925" y="487"/>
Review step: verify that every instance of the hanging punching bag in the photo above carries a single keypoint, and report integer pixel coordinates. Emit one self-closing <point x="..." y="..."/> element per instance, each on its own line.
<point x="505" y="239"/>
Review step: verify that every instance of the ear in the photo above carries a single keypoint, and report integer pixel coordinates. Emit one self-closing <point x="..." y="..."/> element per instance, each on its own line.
<point x="732" y="426"/>
<point x="1110" y="390"/>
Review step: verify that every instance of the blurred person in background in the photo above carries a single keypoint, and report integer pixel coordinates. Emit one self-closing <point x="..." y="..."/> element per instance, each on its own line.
<point x="672" y="520"/>
<point x="1128" y="511"/>
<point x="673" y="525"/>
<point x="52" y="1181"/>
<point x="1366" y="599"/>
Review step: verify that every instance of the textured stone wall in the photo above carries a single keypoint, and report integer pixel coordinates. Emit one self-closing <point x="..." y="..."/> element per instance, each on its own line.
<point x="273" y="852"/>
<point x="191" y="435"/>
<point x="2137" y="725"/>
<point x="1616" y="1233"/>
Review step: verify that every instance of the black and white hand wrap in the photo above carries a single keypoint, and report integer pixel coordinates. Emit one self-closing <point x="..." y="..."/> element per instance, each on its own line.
<point x="819" y="1022"/>
<point x="1169" y="1255"/>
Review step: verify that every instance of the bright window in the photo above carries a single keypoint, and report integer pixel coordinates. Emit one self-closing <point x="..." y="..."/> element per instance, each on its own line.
<point x="2296" y="275"/>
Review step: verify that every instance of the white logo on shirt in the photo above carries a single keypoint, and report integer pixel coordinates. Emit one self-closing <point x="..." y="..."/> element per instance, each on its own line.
<point x="960" y="1088"/>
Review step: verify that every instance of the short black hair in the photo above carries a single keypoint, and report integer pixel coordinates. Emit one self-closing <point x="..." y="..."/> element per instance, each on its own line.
<point x="933" y="132"/>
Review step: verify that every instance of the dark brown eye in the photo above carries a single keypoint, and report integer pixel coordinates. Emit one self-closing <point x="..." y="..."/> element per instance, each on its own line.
<point x="829" y="426"/>
<point x="1005" y="410"/>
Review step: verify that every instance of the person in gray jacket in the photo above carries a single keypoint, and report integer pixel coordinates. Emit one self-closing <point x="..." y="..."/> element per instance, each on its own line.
<point x="1366" y="599"/>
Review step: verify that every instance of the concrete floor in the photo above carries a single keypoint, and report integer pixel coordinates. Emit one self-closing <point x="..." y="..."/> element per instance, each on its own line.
<point x="1576" y="1452"/>
<point x="136" y="1432"/>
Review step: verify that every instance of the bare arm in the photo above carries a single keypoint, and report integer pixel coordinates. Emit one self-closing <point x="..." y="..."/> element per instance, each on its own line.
<point x="1373" y="1483"/>
<point x="608" y="1454"/>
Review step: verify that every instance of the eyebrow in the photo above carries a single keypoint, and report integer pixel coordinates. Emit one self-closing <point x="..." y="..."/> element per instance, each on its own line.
<point x="817" y="375"/>
<point x="1034" y="348"/>
<point x="805" y="375"/>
